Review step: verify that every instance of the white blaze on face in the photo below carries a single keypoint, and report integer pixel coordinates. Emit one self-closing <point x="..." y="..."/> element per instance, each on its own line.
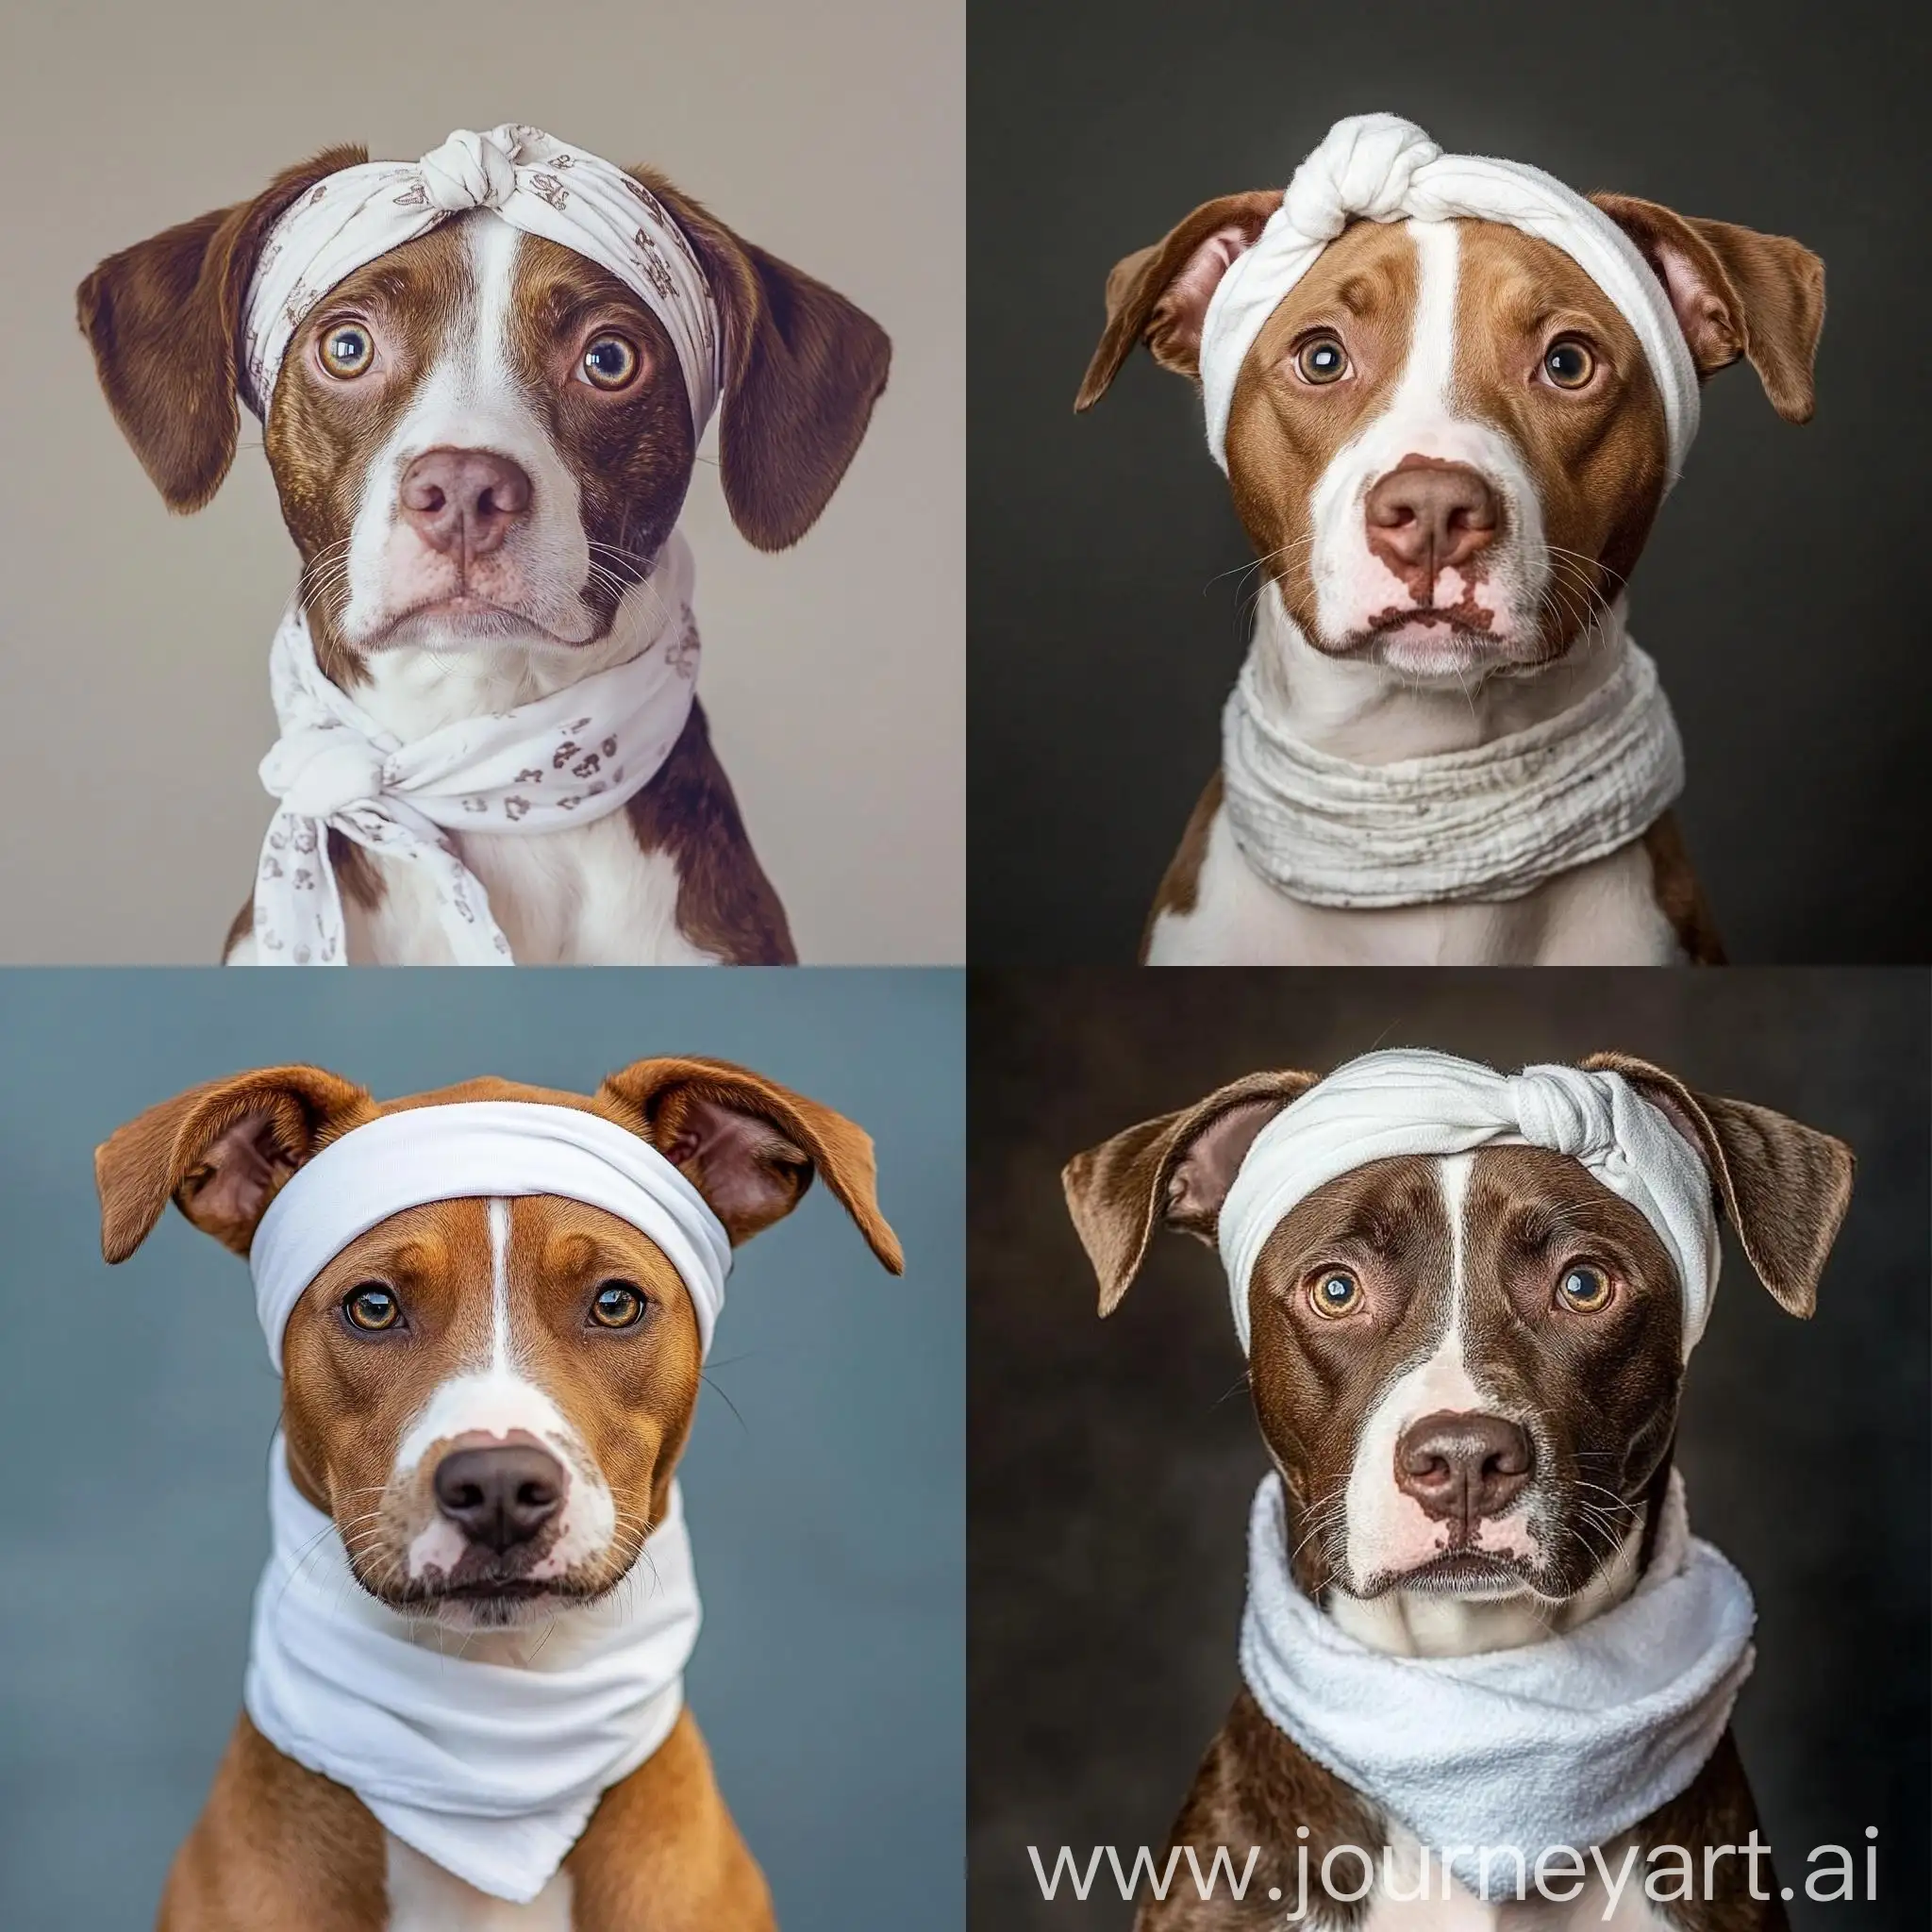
<point x="496" y="1399"/>
<point x="470" y="397"/>
<point x="1389" y="1531"/>
<point x="1424" y="416"/>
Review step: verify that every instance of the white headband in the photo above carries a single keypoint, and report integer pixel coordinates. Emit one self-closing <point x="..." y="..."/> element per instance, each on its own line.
<point x="535" y="184"/>
<point x="1420" y="1103"/>
<point x="1386" y="169"/>
<point x="481" y="1148"/>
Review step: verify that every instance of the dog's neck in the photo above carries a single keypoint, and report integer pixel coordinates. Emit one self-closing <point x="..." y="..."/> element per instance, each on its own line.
<point x="413" y="690"/>
<point x="1351" y="708"/>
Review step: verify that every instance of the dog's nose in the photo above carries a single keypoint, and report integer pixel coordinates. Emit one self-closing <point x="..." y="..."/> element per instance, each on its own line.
<point x="1464" y="1466"/>
<point x="463" y="500"/>
<point x="499" y="1497"/>
<point x="1425" y="518"/>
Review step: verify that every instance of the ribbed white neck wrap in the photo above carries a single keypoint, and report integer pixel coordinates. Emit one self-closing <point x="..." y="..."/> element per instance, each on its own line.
<point x="1381" y="167"/>
<point x="490" y="1769"/>
<point x="1409" y="1100"/>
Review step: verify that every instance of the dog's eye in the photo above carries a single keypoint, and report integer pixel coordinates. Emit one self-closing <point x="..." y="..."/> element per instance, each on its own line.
<point x="371" y="1306"/>
<point x="1568" y="363"/>
<point x="1321" y="360"/>
<point x="1585" y="1289"/>
<point x="1335" y="1291"/>
<point x="609" y="362"/>
<point x="347" y="350"/>
<point x="617" y="1305"/>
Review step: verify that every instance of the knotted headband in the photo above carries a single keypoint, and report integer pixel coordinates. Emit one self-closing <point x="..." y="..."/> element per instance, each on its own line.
<point x="1565" y="1743"/>
<point x="1414" y="1101"/>
<point x="1381" y="167"/>
<point x="493" y="1149"/>
<point x="522" y="174"/>
<point x="577" y="754"/>
<point x="1488" y="824"/>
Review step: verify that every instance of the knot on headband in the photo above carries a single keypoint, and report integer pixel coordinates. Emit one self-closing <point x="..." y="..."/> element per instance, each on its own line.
<point x="472" y="170"/>
<point x="520" y="176"/>
<point x="1414" y="1101"/>
<point x="1381" y="167"/>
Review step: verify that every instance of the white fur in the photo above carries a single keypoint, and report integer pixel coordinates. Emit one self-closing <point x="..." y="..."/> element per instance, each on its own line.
<point x="423" y="1897"/>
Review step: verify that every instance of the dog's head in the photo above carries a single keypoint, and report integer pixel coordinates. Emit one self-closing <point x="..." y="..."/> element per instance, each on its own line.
<point x="480" y="437"/>
<point x="1445" y="445"/>
<point x="1467" y="1368"/>
<point x="488" y="1396"/>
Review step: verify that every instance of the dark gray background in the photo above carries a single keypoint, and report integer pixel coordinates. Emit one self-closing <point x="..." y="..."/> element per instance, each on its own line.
<point x="1111" y="1464"/>
<point x="1781" y="592"/>
<point x="137" y="1404"/>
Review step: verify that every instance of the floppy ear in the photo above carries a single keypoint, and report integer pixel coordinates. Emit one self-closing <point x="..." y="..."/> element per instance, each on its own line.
<point x="1784" y="1186"/>
<point x="164" y="318"/>
<point x="1160" y="294"/>
<point x="1735" y="292"/>
<point x="750" y="1146"/>
<point x="803" y="368"/>
<point x="222" y="1152"/>
<point x="1174" y="1172"/>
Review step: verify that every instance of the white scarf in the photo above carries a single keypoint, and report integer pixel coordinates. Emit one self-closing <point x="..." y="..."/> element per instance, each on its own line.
<point x="1409" y="1100"/>
<point x="522" y="174"/>
<point x="1492" y="823"/>
<point x="577" y="754"/>
<point x="1384" y="169"/>
<point x="1563" y="1744"/>
<point x="489" y="1770"/>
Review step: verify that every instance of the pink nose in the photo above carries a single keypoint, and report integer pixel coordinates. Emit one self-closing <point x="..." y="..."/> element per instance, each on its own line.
<point x="1427" y="517"/>
<point x="463" y="502"/>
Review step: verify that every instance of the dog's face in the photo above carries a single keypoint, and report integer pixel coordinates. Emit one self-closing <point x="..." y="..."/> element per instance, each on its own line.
<point x="481" y="438"/>
<point x="1445" y="444"/>
<point x="1466" y="1369"/>
<point x="489" y="1396"/>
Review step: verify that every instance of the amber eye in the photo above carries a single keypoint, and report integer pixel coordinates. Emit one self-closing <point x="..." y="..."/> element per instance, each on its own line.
<point x="1568" y="363"/>
<point x="371" y="1306"/>
<point x="1321" y="360"/>
<point x="1334" y="1291"/>
<point x="616" y="1305"/>
<point x="1585" y="1289"/>
<point x="609" y="362"/>
<point x="347" y="350"/>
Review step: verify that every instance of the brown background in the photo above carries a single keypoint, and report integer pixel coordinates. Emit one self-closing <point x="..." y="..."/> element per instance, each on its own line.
<point x="1110" y="1464"/>
<point x="133" y="645"/>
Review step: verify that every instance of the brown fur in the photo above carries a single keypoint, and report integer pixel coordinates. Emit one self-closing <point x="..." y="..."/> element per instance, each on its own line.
<point x="1180" y="885"/>
<point x="661" y="1851"/>
<point x="1680" y="897"/>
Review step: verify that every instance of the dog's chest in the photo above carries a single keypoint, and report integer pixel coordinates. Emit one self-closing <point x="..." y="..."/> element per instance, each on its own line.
<point x="588" y="895"/>
<point x="423" y="1897"/>
<point x="1604" y="913"/>
<point x="1596" y="1906"/>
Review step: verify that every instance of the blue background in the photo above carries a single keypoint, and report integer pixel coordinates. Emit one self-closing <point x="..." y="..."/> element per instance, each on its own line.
<point x="137" y="1404"/>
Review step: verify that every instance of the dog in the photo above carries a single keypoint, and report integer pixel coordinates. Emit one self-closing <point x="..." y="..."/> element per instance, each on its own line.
<point x="1447" y="441"/>
<point x="1466" y="1369"/>
<point x="481" y="438"/>
<point x="484" y="1403"/>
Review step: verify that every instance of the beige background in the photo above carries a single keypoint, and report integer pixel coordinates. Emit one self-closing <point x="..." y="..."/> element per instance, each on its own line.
<point x="133" y="644"/>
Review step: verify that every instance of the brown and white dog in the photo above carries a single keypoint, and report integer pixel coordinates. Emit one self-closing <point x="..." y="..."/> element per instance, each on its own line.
<point x="1447" y="450"/>
<point x="542" y="1334"/>
<point x="478" y="486"/>
<point x="1467" y="1371"/>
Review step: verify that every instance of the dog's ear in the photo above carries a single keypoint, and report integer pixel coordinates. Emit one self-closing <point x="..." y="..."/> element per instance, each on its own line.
<point x="220" y="1152"/>
<point x="1784" y="1186"/>
<point x="803" y="368"/>
<point x="1160" y="296"/>
<point x="165" y="319"/>
<point x="750" y="1146"/>
<point x="1735" y="292"/>
<point x="1174" y="1172"/>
